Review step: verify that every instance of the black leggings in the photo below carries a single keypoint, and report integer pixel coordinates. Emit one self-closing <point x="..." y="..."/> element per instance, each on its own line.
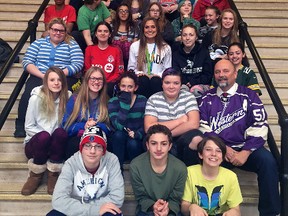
<point x="149" y="86"/>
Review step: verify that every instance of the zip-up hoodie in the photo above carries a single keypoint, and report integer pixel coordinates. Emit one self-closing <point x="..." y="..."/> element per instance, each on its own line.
<point x="78" y="192"/>
<point x="196" y="66"/>
<point x="36" y="120"/>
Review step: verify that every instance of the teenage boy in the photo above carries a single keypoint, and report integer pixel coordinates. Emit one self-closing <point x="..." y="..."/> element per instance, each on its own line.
<point x="157" y="177"/>
<point x="91" y="182"/>
<point x="89" y="15"/>
<point x="60" y="10"/>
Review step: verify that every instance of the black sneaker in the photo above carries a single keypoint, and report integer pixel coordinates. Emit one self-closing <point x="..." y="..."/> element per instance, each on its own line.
<point x="19" y="133"/>
<point x="19" y="129"/>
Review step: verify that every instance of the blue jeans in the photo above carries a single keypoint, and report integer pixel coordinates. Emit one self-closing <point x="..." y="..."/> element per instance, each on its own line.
<point x="123" y="145"/>
<point x="264" y="165"/>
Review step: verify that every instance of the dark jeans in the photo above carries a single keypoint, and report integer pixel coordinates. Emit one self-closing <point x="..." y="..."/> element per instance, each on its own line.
<point x="181" y="147"/>
<point x="110" y="89"/>
<point x="122" y="145"/>
<point x="79" y="38"/>
<point x="31" y="83"/>
<point x="57" y="213"/>
<point x="72" y="146"/>
<point x="264" y="165"/>
<point x="43" y="146"/>
<point x="148" y="86"/>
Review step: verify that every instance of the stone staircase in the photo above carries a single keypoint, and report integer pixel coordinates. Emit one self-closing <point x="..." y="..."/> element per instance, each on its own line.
<point x="268" y="25"/>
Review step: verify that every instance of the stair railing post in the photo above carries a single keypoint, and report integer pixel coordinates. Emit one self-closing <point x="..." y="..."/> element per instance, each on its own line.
<point x="284" y="166"/>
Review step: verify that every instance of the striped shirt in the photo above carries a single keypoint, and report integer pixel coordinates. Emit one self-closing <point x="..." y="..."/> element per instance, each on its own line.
<point x="122" y="115"/>
<point x="43" y="55"/>
<point x="158" y="107"/>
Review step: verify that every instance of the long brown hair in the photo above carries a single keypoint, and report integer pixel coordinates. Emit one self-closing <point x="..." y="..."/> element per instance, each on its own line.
<point x="47" y="103"/>
<point x="162" y="19"/>
<point x="233" y="32"/>
<point x="82" y="100"/>
<point x="143" y="43"/>
<point x="130" y="26"/>
<point x="60" y="21"/>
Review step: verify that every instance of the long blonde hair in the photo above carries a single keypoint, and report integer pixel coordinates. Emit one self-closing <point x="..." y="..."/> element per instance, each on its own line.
<point x="233" y="32"/>
<point x="60" y="21"/>
<point x="47" y="102"/>
<point x="82" y="100"/>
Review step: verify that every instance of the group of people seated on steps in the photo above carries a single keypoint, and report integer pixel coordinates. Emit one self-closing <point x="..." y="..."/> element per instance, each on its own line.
<point x="182" y="110"/>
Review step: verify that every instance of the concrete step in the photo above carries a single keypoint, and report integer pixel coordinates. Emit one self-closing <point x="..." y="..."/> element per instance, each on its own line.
<point x="261" y="4"/>
<point x="262" y="12"/>
<point x="19" y="8"/>
<point x="267" y="20"/>
<point x="270" y="62"/>
<point x="4" y="15"/>
<point x="20" y="2"/>
<point x="275" y="51"/>
<point x="19" y="26"/>
<point x="16" y="34"/>
<point x="267" y="30"/>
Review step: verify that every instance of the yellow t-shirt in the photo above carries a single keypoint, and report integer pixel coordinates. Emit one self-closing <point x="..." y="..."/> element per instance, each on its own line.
<point x="215" y="196"/>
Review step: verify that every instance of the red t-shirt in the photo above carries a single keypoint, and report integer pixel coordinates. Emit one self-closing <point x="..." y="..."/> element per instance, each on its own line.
<point x="110" y="60"/>
<point x="201" y="5"/>
<point x="68" y="14"/>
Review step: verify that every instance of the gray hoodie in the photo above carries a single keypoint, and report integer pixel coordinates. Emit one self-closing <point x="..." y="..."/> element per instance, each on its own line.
<point x="78" y="192"/>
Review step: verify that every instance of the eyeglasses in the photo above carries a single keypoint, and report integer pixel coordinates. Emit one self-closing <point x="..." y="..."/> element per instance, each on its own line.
<point x="97" y="147"/>
<point x="123" y="11"/>
<point x="154" y="10"/>
<point x="94" y="79"/>
<point x="61" y="31"/>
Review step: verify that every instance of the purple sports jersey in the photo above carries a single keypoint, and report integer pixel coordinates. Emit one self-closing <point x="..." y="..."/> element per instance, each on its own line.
<point x="239" y="120"/>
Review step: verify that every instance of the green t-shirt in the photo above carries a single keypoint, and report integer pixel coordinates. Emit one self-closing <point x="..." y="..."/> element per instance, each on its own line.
<point x="149" y="186"/>
<point x="88" y="19"/>
<point x="215" y="196"/>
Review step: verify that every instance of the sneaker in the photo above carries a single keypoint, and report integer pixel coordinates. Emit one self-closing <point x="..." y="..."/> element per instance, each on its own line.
<point x="19" y="133"/>
<point x="19" y="129"/>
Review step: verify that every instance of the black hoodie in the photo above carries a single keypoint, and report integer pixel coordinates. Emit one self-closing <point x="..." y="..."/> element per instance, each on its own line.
<point x="196" y="67"/>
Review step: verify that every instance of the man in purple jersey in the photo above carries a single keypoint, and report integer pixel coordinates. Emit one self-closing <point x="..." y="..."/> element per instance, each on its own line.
<point x="236" y="115"/>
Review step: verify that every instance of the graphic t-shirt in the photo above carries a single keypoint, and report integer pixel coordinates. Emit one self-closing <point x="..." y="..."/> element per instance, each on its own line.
<point x="215" y="196"/>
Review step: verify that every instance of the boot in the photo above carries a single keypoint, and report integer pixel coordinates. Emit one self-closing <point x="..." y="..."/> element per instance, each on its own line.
<point x="19" y="129"/>
<point x="54" y="170"/>
<point x="34" y="179"/>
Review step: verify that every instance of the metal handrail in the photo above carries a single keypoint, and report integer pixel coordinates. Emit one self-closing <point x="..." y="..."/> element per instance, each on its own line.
<point x="30" y="31"/>
<point x="281" y="112"/>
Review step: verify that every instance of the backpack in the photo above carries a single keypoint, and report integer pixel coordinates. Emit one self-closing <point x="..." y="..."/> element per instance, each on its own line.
<point x="5" y="51"/>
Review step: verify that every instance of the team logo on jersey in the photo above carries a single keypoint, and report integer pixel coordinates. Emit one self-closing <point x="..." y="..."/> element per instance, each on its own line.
<point x="110" y="59"/>
<point x="109" y="68"/>
<point x="220" y="122"/>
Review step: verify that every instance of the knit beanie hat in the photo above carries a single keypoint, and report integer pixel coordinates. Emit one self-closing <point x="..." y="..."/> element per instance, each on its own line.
<point x="94" y="134"/>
